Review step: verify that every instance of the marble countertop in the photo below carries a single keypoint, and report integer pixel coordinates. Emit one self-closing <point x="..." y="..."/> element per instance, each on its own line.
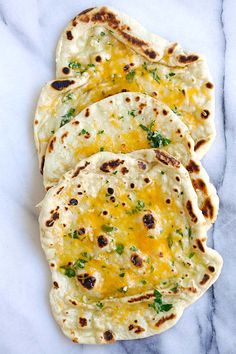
<point x="29" y="32"/>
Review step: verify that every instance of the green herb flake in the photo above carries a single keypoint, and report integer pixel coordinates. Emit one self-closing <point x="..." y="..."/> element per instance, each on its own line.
<point x="52" y="131"/>
<point x="74" y="65"/>
<point x="139" y="207"/>
<point x="74" y="234"/>
<point x="158" y="305"/>
<point x="162" y="172"/>
<point x="130" y="76"/>
<point x="145" y="66"/>
<point x="156" y="139"/>
<point x="83" y="132"/>
<point x="133" y="248"/>
<point x="144" y="282"/>
<point x="107" y="228"/>
<point x="99" y="305"/>
<point x="102" y="148"/>
<point x="80" y="263"/>
<point x="68" y="97"/>
<point x="179" y="232"/>
<point x="132" y="113"/>
<point x="70" y="272"/>
<point x="175" y="288"/>
<point x="155" y="76"/>
<point x="170" y="75"/>
<point x="86" y="255"/>
<point x="122" y="275"/>
<point x="66" y="118"/>
<point x="102" y="34"/>
<point x="191" y="255"/>
<point x="100" y="132"/>
<point x="120" y="248"/>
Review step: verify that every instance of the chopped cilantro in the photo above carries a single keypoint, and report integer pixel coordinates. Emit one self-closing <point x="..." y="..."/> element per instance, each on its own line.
<point x="122" y="275"/>
<point x="74" y="65"/>
<point x="175" y="288"/>
<point x="152" y="268"/>
<point x="155" y="76"/>
<point x="80" y="263"/>
<point x="52" y="131"/>
<point x="84" y="131"/>
<point x="133" y="248"/>
<point x="102" y="34"/>
<point x="67" y="117"/>
<point x="162" y="172"/>
<point x="120" y="117"/>
<point x="86" y="255"/>
<point x="130" y="76"/>
<point x="77" y="66"/>
<point x="68" y="97"/>
<point x="119" y="248"/>
<point x="102" y="148"/>
<point x="153" y="72"/>
<point x="69" y="272"/>
<point x="99" y="305"/>
<point x="74" y="234"/>
<point x="170" y="75"/>
<point x="144" y="282"/>
<point x="158" y="305"/>
<point x="107" y="228"/>
<point x="156" y="139"/>
<point x="139" y="207"/>
<point x="191" y="255"/>
<point x="179" y="232"/>
<point x="132" y="113"/>
<point x="100" y="131"/>
<point x="145" y="66"/>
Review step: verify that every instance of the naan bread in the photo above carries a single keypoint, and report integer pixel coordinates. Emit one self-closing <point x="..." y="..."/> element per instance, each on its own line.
<point x="126" y="244"/>
<point x="53" y="110"/>
<point x="117" y="53"/>
<point x="123" y="123"/>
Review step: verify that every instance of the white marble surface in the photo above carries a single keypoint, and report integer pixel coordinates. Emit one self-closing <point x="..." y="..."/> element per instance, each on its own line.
<point x="29" y="31"/>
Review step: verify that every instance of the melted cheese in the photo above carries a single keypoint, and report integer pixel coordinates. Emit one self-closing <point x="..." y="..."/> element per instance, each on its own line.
<point x="129" y="230"/>
<point x="110" y="78"/>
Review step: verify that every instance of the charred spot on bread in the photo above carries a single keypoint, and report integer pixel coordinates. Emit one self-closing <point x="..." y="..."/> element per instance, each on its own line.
<point x="59" y="85"/>
<point x="111" y="165"/>
<point x="86" y="280"/>
<point x="149" y="221"/>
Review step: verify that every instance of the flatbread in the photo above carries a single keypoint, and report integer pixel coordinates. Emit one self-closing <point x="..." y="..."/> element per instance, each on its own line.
<point x="126" y="244"/>
<point x="124" y="123"/>
<point x="117" y="54"/>
<point x="53" y="109"/>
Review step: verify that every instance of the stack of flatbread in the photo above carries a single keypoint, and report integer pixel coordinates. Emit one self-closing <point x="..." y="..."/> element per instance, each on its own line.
<point x="120" y="133"/>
